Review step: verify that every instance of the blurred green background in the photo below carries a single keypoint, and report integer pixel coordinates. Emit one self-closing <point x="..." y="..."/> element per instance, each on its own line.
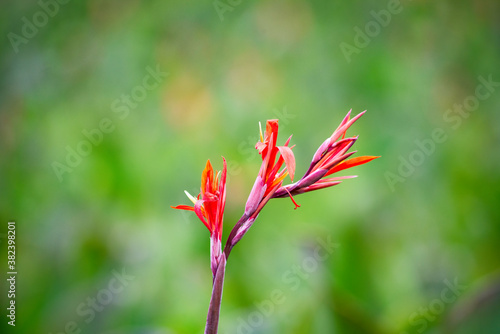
<point x="416" y="234"/>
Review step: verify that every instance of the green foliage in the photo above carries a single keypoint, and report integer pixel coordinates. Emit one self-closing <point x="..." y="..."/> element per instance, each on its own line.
<point x="415" y="221"/>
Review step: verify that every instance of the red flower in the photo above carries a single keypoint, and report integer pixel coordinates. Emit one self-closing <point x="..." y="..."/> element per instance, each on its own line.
<point x="270" y="178"/>
<point x="329" y="158"/>
<point x="209" y="207"/>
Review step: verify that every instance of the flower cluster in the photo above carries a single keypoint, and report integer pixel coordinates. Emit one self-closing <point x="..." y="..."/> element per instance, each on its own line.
<point x="331" y="157"/>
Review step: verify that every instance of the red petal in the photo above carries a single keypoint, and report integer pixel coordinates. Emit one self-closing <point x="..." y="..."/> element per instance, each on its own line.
<point x="343" y="127"/>
<point x="336" y="161"/>
<point x="351" y="163"/>
<point x="346" y="119"/>
<point x="318" y="186"/>
<point x="266" y="161"/>
<point x="287" y="154"/>
<point x="206" y="177"/>
<point x="334" y="151"/>
<point x="183" y="207"/>
<point x="272" y="127"/>
<point x="198" y="209"/>
<point x="222" y="198"/>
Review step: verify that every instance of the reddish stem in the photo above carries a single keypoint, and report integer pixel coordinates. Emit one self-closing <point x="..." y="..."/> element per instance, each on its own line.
<point x="215" y="301"/>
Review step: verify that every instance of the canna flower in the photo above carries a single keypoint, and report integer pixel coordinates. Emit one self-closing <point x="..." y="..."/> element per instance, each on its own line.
<point x="209" y="207"/>
<point x="331" y="157"/>
<point x="270" y="178"/>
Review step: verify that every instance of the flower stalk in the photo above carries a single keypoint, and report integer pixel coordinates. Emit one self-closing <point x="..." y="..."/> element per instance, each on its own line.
<point x="212" y="324"/>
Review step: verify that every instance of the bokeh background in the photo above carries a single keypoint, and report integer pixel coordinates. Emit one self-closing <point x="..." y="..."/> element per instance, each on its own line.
<point x="416" y="235"/>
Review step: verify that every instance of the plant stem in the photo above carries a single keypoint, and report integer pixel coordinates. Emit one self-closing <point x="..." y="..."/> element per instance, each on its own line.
<point x="218" y="283"/>
<point x="215" y="301"/>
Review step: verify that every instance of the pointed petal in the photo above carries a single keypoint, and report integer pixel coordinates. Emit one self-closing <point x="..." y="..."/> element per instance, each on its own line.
<point x="222" y="185"/>
<point x="198" y="210"/>
<point x="338" y="178"/>
<point x="337" y="160"/>
<point x="222" y="200"/>
<point x="268" y="157"/>
<point x="345" y="120"/>
<point x="323" y="183"/>
<point x="206" y="176"/>
<point x="272" y="128"/>
<point x="343" y="128"/>
<point x="318" y="186"/>
<point x="351" y="163"/>
<point x="287" y="154"/>
<point x="183" y="207"/>
<point x="272" y="175"/>
<point x="336" y="150"/>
